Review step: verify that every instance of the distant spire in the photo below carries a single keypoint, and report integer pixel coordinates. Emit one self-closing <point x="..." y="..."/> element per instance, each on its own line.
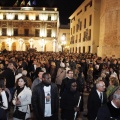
<point x="16" y="4"/>
<point x="22" y="3"/>
<point x="28" y="4"/>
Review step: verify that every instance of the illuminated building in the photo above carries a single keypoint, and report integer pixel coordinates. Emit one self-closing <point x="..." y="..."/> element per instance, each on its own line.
<point x="29" y="27"/>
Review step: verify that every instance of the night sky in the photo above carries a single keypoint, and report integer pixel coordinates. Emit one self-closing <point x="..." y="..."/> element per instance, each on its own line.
<point x="65" y="7"/>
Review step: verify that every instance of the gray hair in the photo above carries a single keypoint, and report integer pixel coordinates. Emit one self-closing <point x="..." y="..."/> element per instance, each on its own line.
<point x="116" y="94"/>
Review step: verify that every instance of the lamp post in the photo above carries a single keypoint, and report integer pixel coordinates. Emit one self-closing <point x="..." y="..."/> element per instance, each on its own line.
<point x="63" y="42"/>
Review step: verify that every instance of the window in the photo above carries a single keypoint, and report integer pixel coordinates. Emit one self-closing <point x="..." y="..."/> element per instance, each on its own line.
<point x="79" y="12"/>
<point x="37" y="17"/>
<point x="4" y="17"/>
<point x="83" y="49"/>
<point x="26" y="32"/>
<point x="77" y="27"/>
<point x="73" y="29"/>
<point x="80" y="25"/>
<point x="80" y="37"/>
<point x="89" y="49"/>
<point x="76" y="50"/>
<point x="49" y="17"/>
<point x="79" y="49"/>
<point x="89" y="4"/>
<point x="15" y="32"/>
<point x="85" y="23"/>
<point x="37" y="32"/>
<point x="76" y="38"/>
<point x="72" y="40"/>
<point x="89" y="37"/>
<point x="26" y="17"/>
<point x="49" y="32"/>
<point x="84" y="36"/>
<point x="90" y="20"/>
<point x="4" y="31"/>
<point x="16" y="17"/>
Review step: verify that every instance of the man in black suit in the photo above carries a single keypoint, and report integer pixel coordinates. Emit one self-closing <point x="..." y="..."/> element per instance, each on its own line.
<point x="96" y="99"/>
<point x="111" y="110"/>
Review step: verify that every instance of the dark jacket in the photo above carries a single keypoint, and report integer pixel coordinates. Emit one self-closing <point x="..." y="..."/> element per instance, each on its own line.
<point x="64" y="84"/>
<point x="94" y="103"/>
<point x="10" y="78"/>
<point x="2" y="114"/>
<point x="69" y="100"/>
<point x="38" y="101"/>
<point x="108" y="112"/>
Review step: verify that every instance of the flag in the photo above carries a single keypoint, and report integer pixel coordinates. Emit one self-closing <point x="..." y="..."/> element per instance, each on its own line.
<point x="34" y="2"/>
<point x="22" y="3"/>
<point x="16" y="4"/>
<point x="28" y="4"/>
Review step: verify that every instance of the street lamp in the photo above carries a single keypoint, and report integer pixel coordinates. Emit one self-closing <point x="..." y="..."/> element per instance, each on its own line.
<point x="63" y="42"/>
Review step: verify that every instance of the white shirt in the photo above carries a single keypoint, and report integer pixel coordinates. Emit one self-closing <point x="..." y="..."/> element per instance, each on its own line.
<point x="47" y="92"/>
<point x="113" y="104"/>
<point x="4" y="100"/>
<point x="99" y="94"/>
<point x="35" y="67"/>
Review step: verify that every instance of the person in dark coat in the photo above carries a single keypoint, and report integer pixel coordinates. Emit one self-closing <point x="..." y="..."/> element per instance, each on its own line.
<point x="66" y="80"/>
<point x="45" y="100"/>
<point x="2" y="114"/>
<point x="111" y="110"/>
<point x="69" y="101"/>
<point x="96" y="99"/>
<point x="8" y="74"/>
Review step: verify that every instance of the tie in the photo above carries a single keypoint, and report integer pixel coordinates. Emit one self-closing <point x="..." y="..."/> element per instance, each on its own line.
<point x="101" y="97"/>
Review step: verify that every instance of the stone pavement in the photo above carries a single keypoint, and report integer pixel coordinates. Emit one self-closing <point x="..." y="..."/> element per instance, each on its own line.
<point x="81" y="115"/>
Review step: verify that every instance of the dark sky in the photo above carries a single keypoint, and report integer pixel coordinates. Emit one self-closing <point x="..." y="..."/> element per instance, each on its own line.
<point x="65" y="7"/>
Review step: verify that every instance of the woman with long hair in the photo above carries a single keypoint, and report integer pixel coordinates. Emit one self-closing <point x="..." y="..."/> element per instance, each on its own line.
<point x="22" y="100"/>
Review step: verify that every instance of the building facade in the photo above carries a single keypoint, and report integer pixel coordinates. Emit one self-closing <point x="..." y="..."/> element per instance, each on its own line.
<point x="109" y="42"/>
<point x="85" y="27"/>
<point x="22" y="28"/>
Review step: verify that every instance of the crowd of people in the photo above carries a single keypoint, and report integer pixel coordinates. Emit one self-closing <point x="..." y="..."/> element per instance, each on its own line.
<point x="47" y="83"/>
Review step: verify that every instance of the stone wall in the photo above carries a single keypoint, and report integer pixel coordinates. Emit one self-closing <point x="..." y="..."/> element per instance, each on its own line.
<point x="109" y="41"/>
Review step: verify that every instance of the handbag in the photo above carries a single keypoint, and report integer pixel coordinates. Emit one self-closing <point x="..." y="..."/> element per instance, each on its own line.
<point x="19" y="114"/>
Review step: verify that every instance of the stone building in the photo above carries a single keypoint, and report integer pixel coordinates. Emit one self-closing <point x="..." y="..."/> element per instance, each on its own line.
<point x="94" y="27"/>
<point x="109" y="40"/>
<point x="22" y="28"/>
<point x="84" y="27"/>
